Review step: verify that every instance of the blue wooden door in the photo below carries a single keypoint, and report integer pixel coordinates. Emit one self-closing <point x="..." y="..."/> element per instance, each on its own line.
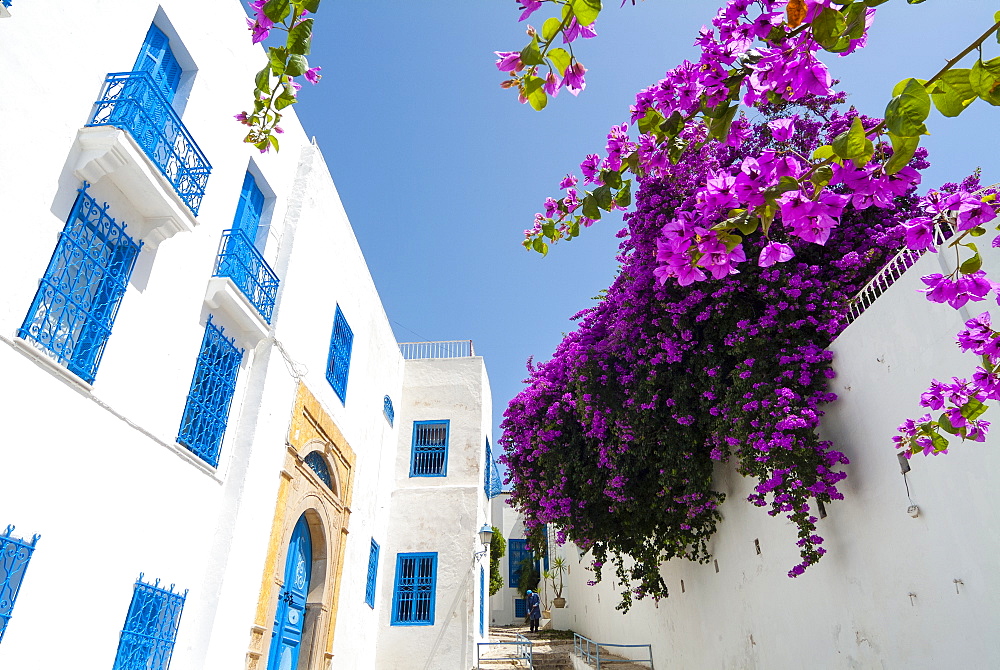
<point x="286" y="639"/>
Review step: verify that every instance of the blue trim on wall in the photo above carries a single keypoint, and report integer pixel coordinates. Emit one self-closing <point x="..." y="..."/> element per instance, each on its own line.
<point x="372" y="574"/>
<point x="429" y="448"/>
<point x="414" y="593"/>
<point x="338" y="363"/>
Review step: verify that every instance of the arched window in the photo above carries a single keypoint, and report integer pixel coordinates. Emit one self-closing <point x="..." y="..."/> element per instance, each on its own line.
<point x="317" y="464"/>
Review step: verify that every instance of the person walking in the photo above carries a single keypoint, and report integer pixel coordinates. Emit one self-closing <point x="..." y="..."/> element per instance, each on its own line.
<point x="534" y="610"/>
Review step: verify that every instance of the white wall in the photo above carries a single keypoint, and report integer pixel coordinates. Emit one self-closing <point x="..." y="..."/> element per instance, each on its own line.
<point x="884" y="596"/>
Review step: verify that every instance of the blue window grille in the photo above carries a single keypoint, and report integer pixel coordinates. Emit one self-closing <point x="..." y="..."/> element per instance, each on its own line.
<point x="414" y="594"/>
<point x="390" y="413"/>
<point x="482" y="601"/>
<point x="372" y="574"/>
<point x="147" y="640"/>
<point x="492" y="484"/>
<point x="14" y="556"/>
<point x="139" y="102"/>
<point x="520" y="608"/>
<point x="429" y="457"/>
<point x="241" y="261"/>
<point x="206" y="412"/>
<point x="338" y="364"/>
<point x="78" y="298"/>
<point x="249" y="217"/>
<point x="317" y="464"/>
<point x="518" y="552"/>
<point x="5" y="3"/>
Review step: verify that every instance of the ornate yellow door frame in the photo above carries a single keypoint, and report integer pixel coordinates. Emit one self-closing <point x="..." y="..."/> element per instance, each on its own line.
<point x="303" y="491"/>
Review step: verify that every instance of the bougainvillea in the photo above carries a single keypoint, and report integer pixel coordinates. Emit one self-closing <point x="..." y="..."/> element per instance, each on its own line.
<point x="615" y="439"/>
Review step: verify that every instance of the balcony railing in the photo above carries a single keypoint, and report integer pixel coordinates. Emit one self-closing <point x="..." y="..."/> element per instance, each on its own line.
<point x="444" y="349"/>
<point x="133" y="102"/>
<point x="239" y="260"/>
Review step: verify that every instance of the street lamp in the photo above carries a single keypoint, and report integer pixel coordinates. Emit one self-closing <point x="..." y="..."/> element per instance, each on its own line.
<point x="485" y="536"/>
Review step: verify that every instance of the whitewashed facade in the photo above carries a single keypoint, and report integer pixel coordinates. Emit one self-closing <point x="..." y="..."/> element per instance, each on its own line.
<point x="910" y="580"/>
<point x="96" y="468"/>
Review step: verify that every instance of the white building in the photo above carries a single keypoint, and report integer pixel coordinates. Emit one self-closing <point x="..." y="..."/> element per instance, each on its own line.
<point x="200" y="379"/>
<point x="910" y="580"/>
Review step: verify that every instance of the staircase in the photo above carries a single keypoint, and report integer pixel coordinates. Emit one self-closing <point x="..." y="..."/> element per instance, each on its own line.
<point x="546" y="654"/>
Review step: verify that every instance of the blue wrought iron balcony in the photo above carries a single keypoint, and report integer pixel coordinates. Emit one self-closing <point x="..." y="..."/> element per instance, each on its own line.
<point x="240" y="261"/>
<point x="132" y="101"/>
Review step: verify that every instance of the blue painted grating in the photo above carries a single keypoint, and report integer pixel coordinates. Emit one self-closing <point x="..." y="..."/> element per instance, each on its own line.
<point x="390" y="413"/>
<point x="133" y="102"/>
<point x="147" y="640"/>
<point x="14" y="556"/>
<point x="338" y="363"/>
<point x="430" y="449"/>
<point x="317" y="464"/>
<point x="520" y="608"/>
<point x="492" y="485"/>
<point x="240" y="260"/>
<point x="78" y="298"/>
<point x="518" y="553"/>
<point x="206" y="411"/>
<point x="372" y="574"/>
<point x="413" y="598"/>
<point x="482" y="601"/>
<point x="5" y="3"/>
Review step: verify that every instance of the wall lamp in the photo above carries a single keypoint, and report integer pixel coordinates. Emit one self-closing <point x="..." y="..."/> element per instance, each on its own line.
<point x="485" y="536"/>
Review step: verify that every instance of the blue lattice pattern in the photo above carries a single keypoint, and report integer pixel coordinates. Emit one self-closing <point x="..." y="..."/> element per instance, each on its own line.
<point x="372" y="574"/>
<point x="14" y="556"/>
<point x="240" y="260"/>
<point x="413" y="598"/>
<point x="338" y="364"/>
<point x="133" y="102"/>
<point x="317" y="464"/>
<point x="147" y="640"/>
<point x="78" y="298"/>
<point x="482" y="601"/>
<point x="206" y="412"/>
<point x="430" y="449"/>
<point x="390" y="413"/>
<point x="491" y="475"/>
<point x="5" y="3"/>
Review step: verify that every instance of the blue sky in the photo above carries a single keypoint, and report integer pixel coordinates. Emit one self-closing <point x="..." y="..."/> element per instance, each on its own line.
<point x="440" y="170"/>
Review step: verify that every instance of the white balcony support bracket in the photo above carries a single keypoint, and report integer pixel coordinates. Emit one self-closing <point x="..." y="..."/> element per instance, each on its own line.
<point x="106" y="151"/>
<point x="231" y="310"/>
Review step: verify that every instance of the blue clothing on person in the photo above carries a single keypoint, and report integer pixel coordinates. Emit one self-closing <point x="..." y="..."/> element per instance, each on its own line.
<point x="534" y="607"/>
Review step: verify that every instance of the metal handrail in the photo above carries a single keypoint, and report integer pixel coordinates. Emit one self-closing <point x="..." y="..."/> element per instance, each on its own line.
<point x="589" y="650"/>
<point x="240" y="260"/>
<point x="439" y="349"/>
<point x="523" y="653"/>
<point x="133" y="102"/>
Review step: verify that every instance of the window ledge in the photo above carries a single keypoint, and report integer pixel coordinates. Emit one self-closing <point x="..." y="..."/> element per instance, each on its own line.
<point x="4" y="12"/>
<point x="39" y="355"/>
<point x="106" y="151"/>
<point x="234" y="312"/>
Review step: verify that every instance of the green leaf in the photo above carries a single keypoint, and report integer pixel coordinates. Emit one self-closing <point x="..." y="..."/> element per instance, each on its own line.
<point x="611" y="178"/>
<point x="535" y="94"/>
<point x="300" y="38"/>
<point x="854" y="144"/>
<point x="650" y="122"/>
<point x="902" y="151"/>
<point x="821" y="176"/>
<point x="603" y="198"/>
<point x="985" y="82"/>
<point x="676" y="150"/>
<point x="673" y="125"/>
<point x="824" y="152"/>
<point x="719" y="127"/>
<point x="855" y="15"/>
<point x="971" y="265"/>
<point x="973" y="409"/>
<point x="590" y="209"/>
<point x="297" y="65"/>
<point x="550" y="28"/>
<point x="586" y="11"/>
<point x="273" y="140"/>
<point x="937" y="439"/>
<point x="263" y="78"/>
<point x="874" y="3"/>
<point x="560" y="60"/>
<point x="624" y="196"/>
<point x="953" y="92"/>
<point x="530" y="55"/>
<point x="285" y="99"/>
<point x="277" y="56"/>
<point x="786" y="184"/>
<point x="277" y="10"/>
<point x="946" y="424"/>
<point x="996" y="19"/>
<point x="978" y="231"/>
<point x="574" y="228"/>
<point x="828" y="27"/>
<point x="549" y="230"/>
<point x="312" y="6"/>
<point x="540" y="246"/>
<point x="906" y="112"/>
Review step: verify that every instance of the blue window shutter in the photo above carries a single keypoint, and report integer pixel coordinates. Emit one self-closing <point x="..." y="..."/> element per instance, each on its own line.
<point x="14" y="556"/>
<point x="156" y="58"/>
<point x="78" y="298"/>
<point x="249" y="213"/>
<point x="213" y="385"/>
<point x="520" y="608"/>
<point x="517" y="552"/>
<point x="414" y="593"/>
<point x="338" y="364"/>
<point x="429" y="456"/>
<point x="147" y="639"/>
<point x="372" y="574"/>
<point x="390" y="413"/>
<point x="482" y="601"/>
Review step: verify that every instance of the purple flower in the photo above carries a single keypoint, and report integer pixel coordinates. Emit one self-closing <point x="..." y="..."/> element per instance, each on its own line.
<point x="782" y="129"/>
<point x="312" y="75"/>
<point x="774" y="252"/>
<point x="509" y="61"/>
<point x="568" y="180"/>
<point x="574" y="80"/>
<point x="530" y="7"/>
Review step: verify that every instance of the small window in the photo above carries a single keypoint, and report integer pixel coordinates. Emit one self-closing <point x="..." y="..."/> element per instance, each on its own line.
<point x="372" y="574"/>
<point x="14" y="556"/>
<point x="390" y="414"/>
<point x="147" y="640"/>
<point x="249" y="218"/>
<point x="206" y="411"/>
<point x="520" y="608"/>
<point x="157" y="59"/>
<point x="430" y="449"/>
<point x="414" y="593"/>
<point x="78" y="298"/>
<point x="519" y="557"/>
<point x="338" y="363"/>
<point x="317" y="464"/>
